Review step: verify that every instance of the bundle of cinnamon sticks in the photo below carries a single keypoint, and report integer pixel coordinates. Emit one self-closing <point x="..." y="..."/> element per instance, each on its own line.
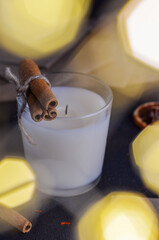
<point x="41" y="101"/>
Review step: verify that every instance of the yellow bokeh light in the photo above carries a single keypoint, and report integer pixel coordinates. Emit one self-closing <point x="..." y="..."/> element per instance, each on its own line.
<point x="17" y="182"/>
<point x="119" y="216"/>
<point x="138" y="24"/>
<point x="37" y="28"/>
<point x="143" y="144"/>
<point x="145" y="150"/>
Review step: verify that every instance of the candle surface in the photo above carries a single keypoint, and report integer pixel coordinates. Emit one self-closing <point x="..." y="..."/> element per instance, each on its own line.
<point x="69" y="150"/>
<point x="81" y="102"/>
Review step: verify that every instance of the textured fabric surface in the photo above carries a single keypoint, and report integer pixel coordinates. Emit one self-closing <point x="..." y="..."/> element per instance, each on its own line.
<point x="118" y="174"/>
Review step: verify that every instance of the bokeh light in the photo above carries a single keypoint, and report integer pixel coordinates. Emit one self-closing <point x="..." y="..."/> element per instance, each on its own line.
<point x="119" y="216"/>
<point x="17" y="182"/>
<point x="138" y="24"/>
<point x="145" y="149"/>
<point x="37" y="28"/>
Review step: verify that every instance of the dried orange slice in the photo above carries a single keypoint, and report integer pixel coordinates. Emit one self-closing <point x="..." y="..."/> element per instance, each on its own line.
<point x="146" y="114"/>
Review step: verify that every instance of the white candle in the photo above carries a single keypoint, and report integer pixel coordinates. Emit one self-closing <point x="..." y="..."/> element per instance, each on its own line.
<point x="69" y="150"/>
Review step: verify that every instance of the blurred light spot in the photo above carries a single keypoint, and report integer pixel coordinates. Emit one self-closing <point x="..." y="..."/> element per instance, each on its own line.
<point x="123" y="228"/>
<point x="138" y="25"/>
<point x="146" y="155"/>
<point x="36" y="28"/>
<point x="119" y="216"/>
<point x="17" y="182"/>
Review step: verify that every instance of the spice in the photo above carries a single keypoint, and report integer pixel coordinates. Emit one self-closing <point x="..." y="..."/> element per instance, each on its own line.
<point x="34" y="107"/>
<point x="15" y="219"/>
<point x="146" y="114"/>
<point x="63" y="223"/>
<point x="50" y="114"/>
<point x="39" y="96"/>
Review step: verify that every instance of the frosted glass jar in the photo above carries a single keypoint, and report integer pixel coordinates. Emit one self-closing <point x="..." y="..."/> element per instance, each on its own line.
<point x="69" y="151"/>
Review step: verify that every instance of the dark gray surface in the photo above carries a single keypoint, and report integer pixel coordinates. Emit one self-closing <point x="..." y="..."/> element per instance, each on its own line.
<point x="118" y="174"/>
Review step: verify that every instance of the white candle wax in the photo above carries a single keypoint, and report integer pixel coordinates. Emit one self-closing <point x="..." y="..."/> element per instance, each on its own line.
<point x="69" y="150"/>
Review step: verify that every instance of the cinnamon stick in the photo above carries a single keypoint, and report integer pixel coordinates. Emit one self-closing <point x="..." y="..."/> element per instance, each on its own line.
<point x="50" y="114"/>
<point x="34" y="107"/>
<point x="38" y="87"/>
<point x="15" y="219"/>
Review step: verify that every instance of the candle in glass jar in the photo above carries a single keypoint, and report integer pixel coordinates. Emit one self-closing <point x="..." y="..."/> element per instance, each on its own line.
<point x="69" y="150"/>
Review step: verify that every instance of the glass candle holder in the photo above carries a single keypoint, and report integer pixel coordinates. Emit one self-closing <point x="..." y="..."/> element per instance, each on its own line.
<point x="69" y="152"/>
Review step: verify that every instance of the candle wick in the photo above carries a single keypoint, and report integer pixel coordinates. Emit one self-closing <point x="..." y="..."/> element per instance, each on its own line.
<point x="66" y="109"/>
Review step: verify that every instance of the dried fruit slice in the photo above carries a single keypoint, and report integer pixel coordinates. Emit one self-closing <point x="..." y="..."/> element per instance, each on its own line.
<point x="146" y="114"/>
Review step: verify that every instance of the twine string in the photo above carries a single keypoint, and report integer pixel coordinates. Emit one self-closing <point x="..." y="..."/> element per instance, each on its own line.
<point x="22" y="92"/>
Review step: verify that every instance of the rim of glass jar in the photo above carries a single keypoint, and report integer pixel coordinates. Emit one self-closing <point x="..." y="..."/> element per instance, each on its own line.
<point x="107" y="104"/>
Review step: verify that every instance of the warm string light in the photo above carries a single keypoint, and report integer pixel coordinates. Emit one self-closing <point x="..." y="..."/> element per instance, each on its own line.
<point x="20" y="184"/>
<point x="38" y="28"/>
<point x="119" y="216"/>
<point x="138" y="25"/>
<point x="145" y="152"/>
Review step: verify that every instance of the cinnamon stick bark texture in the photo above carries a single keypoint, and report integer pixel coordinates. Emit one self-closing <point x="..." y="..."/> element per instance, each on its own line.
<point x="34" y="107"/>
<point x="15" y="219"/>
<point x="38" y="87"/>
